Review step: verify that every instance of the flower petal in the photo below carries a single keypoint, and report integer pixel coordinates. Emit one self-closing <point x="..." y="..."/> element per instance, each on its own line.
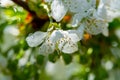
<point x="80" y="30"/>
<point x="70" y="47"/>
<point x="58" y="9"/>
<point x="93" y="29"/>
<point x="105" y="31"/>
<point x="73" y="35"/>
<point x="36" y="38"/>
<point x="56" y="35"/>
<point x="78" y="5"/>
<point x="47" y="48"/>
<point x="101" y="11"/>
<point x="77" y="18"/>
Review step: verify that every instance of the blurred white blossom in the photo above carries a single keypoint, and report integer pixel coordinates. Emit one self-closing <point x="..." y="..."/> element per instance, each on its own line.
<point x="3" y="61"/>
<point x="108" y="65"/>
<point x="10" y="37"/>
<point x="115" y="51"/>
<point x="5" y="3"/>
<point x="91" y="76"/>
<point x="5" y="77"/>
<point x="60" y="71"/>
<point x="114" y="74"/>
<point x="117" y="33"/>
<point x="23" y="61"/>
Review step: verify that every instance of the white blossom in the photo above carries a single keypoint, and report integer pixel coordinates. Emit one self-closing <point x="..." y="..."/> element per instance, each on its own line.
<point x="68" y="44"/>
<point x="85" y="12"/>
<point x="10" y="37"/>
<point x="6" y="3"/>
<point x="87" y="17"/>
<point x="97" y="22"/>
<point x="49" y="45"/>
<point x="65" y="41"/>
<point x="59" y="8"/>
<point x="113" y="9"/>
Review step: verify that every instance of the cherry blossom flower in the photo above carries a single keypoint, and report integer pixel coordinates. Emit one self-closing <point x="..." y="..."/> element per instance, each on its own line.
<point x="95" y="22"/>
<point x="87" y="17"/>
<point x="65" y="41"/>
<point x="6" y="3"/>
<point x="98" y="23"/>
<point x="68" y="44"/>
<point x="113" y="9"/>
<point x="85" y="12"/>
<point x="79" y="8"/>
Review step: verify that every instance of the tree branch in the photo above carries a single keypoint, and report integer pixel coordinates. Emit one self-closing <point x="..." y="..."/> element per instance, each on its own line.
<point x="37" y="22"/>
<point x="25" y="6"/>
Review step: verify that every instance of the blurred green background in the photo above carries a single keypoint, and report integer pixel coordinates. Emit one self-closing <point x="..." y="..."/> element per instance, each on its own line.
<point x="98" y="57"/>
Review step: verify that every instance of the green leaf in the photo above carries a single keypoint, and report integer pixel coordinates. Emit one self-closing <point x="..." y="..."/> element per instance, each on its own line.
<point x="101" y="73"/>
<point x="40" y="59"/>
<point x="83" y="59"/>
<point x="12" y="65"/>
<point x="53" y="57"/>
<point x="67" y="58"/>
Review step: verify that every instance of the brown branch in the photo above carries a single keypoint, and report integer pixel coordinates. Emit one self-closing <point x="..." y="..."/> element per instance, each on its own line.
<point x="25" y="6"/>
<point x="37" y="22"/>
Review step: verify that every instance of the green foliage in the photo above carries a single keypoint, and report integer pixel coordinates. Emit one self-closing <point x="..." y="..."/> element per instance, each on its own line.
<point x="53" y="57"/>
<point x="92" y="56"/>
<point x="67" y="58"/>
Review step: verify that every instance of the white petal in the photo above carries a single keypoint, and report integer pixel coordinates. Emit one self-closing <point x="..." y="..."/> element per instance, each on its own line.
<point x="80" y="30"/>
<point x="112" y="15"/>
<point x="78" y="5"/>
<point x="92" y="3"/>
<point x="61" y="44"/>
<point x="113" y="9"/>
<point x="77" y="18"/>
<point x="48" y="1"/>
<point x="115" y="5"/>
<point x="104" y="27"/>
<point x="56" y="36"/>
<point x="36" y="38"/>
<point x="105" y="31"/>
<point x="47" y="48"/>
<point x="101" y="12"/>
<point x="58" y="10"/>
<point x="70" y="47"/>
<point x="67" y="46"/>
<point x="93" y="29"/>
<point x="73" y="35"/>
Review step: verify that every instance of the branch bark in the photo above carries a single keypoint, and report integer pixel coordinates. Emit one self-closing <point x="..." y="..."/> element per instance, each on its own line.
<point x="25" y="6"/>
<point x="37" y="22"/>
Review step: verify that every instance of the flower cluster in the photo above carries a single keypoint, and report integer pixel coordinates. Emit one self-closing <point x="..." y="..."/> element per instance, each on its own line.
<point x="84" y="12"/>
<point x="87" y="16"/>
<point x="65" y="41"/>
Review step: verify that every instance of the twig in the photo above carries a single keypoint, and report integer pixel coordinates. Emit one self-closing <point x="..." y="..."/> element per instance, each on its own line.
<point x="25" y="6"/>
